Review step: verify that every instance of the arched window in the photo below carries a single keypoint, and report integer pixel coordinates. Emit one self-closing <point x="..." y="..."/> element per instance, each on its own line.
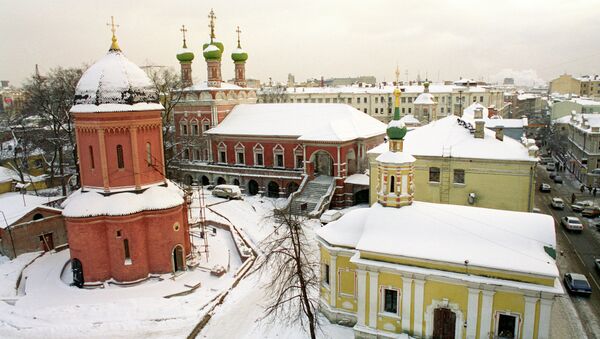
<point x="91" y="151"/>
<point x="392" y="184"/>
<point x="120" y="161"/>
<point x="126" y="251"/>
<point x="149" y="154"/>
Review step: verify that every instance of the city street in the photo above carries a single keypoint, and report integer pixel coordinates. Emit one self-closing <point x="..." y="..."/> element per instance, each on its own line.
<point x="576" y="251"/>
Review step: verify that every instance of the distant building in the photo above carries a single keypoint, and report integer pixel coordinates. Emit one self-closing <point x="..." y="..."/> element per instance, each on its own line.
<point x="431" y="270"/>
<point x="582" y="157"/>
<point x="291" y="82"/>
<point x="366" y="79"/>
<point x="564" y="106"/>
<point x="508" y="81"/>
<point x="586" y="85"/>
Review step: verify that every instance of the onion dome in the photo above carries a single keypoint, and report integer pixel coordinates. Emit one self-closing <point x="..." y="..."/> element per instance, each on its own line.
<point x="212" y="51"/>
<point x="185" y="55"/>
<point x="396" y="130"/>
<point x="114" y="83"/>
<point x="239" y="55"/>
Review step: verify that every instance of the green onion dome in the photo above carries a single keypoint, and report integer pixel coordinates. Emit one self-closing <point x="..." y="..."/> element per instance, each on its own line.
<point x="396" y="130"/>
<point x="212" y="51"/>
<point x="185" y="55"/>
<point x="239" y="55"/>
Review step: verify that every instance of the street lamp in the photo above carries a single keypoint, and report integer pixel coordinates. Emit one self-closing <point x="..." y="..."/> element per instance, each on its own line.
<point x="12" y="242"/>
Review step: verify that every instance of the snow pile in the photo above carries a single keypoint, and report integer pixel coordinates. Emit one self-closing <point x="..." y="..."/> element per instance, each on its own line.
<point x="10" y="271"/>
<point x="142" y="106"/>
<point x="211" y="48"/>
<point x="90" y="203"/>
<point x="6" y="174"/>
<point x="497" y="239"/>
<point x="114" y="80"/>
<point x="308" y="122"/>
<point x="390" y="157"/>
<point x="446" y="135"/>
<point x="358" y="179"/>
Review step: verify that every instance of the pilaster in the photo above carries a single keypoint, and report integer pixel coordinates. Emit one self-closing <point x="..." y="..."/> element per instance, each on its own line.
<point x="406" y="301"/>
<point x="373" y="296"/>
<point x="361" y="297"/>
<point x="472" y="308"/>
<point x="487" y="301"/>
<point x="544" y="322"/>
<point x="419" y="294"/>
<point x="529" y="317"/>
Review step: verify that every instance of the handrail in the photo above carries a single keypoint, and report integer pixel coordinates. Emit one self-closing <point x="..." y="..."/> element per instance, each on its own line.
<point x="293" y="195"/>
<point x="320" y="205"/>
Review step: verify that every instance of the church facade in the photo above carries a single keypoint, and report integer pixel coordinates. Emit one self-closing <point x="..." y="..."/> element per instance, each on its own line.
<point x="127" y="221"/>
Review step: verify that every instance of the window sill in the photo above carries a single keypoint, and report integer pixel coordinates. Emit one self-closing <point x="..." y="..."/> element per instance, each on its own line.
<point x="434" y="183"/>
<point x="389" y="315"/>
<point x="456" y="184"/>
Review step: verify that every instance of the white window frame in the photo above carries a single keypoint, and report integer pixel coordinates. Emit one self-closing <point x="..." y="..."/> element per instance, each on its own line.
<point x="184" y="123"/>
<point x="382" y="310"/>
<point x="222" y="147"/>
<point x="278" y="149"/>
<point x="194" y="123"/>
<point x="518" y="322"/>
<point x="339" y="283"/>
<point x="240" y="148"/>
<point x="259" y="149"/>
<point x="324" y="276"/>
<point x="298" y="151"/>
<point x="205" y="123"/>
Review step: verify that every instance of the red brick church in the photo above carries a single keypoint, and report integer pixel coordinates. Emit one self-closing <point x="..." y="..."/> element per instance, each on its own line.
<point x="127" y="221"/>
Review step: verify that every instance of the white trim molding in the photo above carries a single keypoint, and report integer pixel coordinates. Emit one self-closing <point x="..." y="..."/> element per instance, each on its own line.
<point x="444" y="303"/>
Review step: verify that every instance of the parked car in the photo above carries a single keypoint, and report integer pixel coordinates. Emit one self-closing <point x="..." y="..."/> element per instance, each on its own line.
<point x="545" y="160"/>
<point x="227" y="191"/>
<point x="536" y="210"/>
<point x="594" y="224"/>
<point x="577" y="283"/>
<point x="329" y="216"/>
<point x="550" y="166"/>
<point x="591" y="212"/>
<point x="581" y="205"/>
<point x="558" y="179"/>
<point x="597" y="264"/>
<point x="572" y="224"/>
<point x="545" y="188"/>
<point x="552" y="175"/>
<point x="557" y="203"/>
<point x="595" y="171"/>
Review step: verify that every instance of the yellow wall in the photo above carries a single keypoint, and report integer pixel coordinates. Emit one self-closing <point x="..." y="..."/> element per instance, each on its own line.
<point x="5" y="186"/>
<point x="565" y="84"/>
<point x="506" y="185"/>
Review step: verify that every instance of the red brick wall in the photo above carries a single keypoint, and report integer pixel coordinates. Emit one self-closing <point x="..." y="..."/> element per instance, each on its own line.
<point x="268" y="155"/>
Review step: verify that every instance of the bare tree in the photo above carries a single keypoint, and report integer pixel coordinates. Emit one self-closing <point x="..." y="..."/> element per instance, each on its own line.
<point x="50" y="97"/>
<point x="292" y="268"/>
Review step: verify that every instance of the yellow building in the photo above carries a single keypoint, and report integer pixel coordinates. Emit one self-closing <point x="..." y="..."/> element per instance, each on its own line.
<point x="436" y="270"/>
<point x="461" y="162"/>
<point x="588" y="86"/>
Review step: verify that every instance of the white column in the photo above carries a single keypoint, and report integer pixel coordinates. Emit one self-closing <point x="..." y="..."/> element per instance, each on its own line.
<point x="373" y="288"/>
<point x="406" y="299"/>
<point x="529" y="317"/>
<point x="333" y="280"/>
<point x="486" y="314"/>
<point x="361" y="298"/>
<point x="418" y="323"/>
<point x="544" y="323"/>
<point x="472" y="308"/>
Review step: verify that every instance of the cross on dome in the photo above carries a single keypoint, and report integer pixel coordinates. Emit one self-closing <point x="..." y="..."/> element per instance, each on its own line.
<point x="183" y="31"/>
<point x="113" y="28"/>
<point x="238" y="34"/>
<point x="212" y="18"/>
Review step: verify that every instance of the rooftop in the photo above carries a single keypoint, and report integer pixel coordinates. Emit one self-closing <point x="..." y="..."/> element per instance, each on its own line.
<point x="387" y="89"/>
<point x="308" y="122"/>
<point x="15" y="205"/>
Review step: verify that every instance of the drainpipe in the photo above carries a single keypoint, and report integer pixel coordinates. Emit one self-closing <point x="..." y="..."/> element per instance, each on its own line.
<point x="531" y="174"/>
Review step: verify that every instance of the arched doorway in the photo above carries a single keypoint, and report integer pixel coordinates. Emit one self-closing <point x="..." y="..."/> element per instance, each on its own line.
<point x="252" y="187"/>
<point x="273" y="190"/>
<point x="350" y="162"/>
<point x="77" y="270"/>
<point x="221" y="181"/>
<point x="323" y="163"/>
<point x="444" y="323"/>
<point x="236" y="182"/>
<point x="361" y="197"/>
<point x="178" y="262"/>
<point x="187" y="179"/>
<point x="292" y="187"/>
<point x="205" y="181"/>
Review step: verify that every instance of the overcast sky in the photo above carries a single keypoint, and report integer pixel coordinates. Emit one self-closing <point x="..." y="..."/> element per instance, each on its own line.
<point x="331" y="38"/>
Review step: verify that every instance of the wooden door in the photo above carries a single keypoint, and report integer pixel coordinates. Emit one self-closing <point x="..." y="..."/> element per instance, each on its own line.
<point x="444" y="323"/>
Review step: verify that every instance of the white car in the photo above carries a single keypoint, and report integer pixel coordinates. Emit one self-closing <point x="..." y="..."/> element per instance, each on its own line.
<point x="550" y="166"/>
<point x="227" y="191"/>
<point x="558" y="203"/>
<point x="329" y="216"/>
<point x="572" y="223"/>
<point x="581" y="205"/>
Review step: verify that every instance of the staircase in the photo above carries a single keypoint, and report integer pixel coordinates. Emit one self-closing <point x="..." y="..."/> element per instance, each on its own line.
<point x="315" y="194"/>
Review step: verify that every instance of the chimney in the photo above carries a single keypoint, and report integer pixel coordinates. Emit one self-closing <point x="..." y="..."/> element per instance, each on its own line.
<point x="500" y="133"/>
<point x="479" y="123"/>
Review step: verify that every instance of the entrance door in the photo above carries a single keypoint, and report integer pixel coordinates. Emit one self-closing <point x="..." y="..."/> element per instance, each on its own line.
<point x="47" y="242"/>
<point x="444" y="323"/>
<point x="77" y="270"/>
<point x="178" y="264"/>
<point x="323" y="163"/>
<point x="252" y="187"/>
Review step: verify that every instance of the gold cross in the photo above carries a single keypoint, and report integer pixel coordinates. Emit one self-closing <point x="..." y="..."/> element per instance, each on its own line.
<point x="183" y="30"/>
<point x="212" y="18"/>
<point x="397" y="74"/>
<point x="238" y="33"/>
<point x="114" y="46"/>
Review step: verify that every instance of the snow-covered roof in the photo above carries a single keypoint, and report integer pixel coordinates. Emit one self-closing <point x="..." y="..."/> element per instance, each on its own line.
<point x="6" y="174"/>
<point x="496" y="239"/>
<point x="15" y="205"/>
<point x="114" y="80"/>
<point x="308" y="122"/>
<point x="387" y="89"/>
<point x="424" y="99"/>
<point x="446" y="137"/>
<point x="410" y="119"/>
<point x="496" y="121"/>
<point x="91" y="203"/>
<point x="390" y="157"/>
<point x="358" y="179"/>
<point x="203" y="86"/>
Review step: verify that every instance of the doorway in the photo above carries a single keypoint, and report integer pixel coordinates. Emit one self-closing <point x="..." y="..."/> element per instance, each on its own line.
<point x="323" y="163"/>
<point x="252" y="187"/>
<point x="178" y="262"/>
<point x="77" y="270"/>
<point x="205" y="181"/>
<point x="221" y="181"/>
<point x="47" y="242"/>
<point x="273" y="190"/>
<point x="444" y="323"/>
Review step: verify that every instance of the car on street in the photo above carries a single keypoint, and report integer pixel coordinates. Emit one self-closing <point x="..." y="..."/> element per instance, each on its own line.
<point x="558" y="179"/>
<point x="577" y="284"/>
<point x="572" y="224"/>
<point x="227" y="191"/>
<point x="550" y="166"/>
<point x="552" y="175"/>
<point x="594" y="224"/>
<point x="557" y="203"/>
<point x="545" y="160"/>
<point x="591" y="212"/>
<point x="581" y="205"/>
<point x="545" y="188"/>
